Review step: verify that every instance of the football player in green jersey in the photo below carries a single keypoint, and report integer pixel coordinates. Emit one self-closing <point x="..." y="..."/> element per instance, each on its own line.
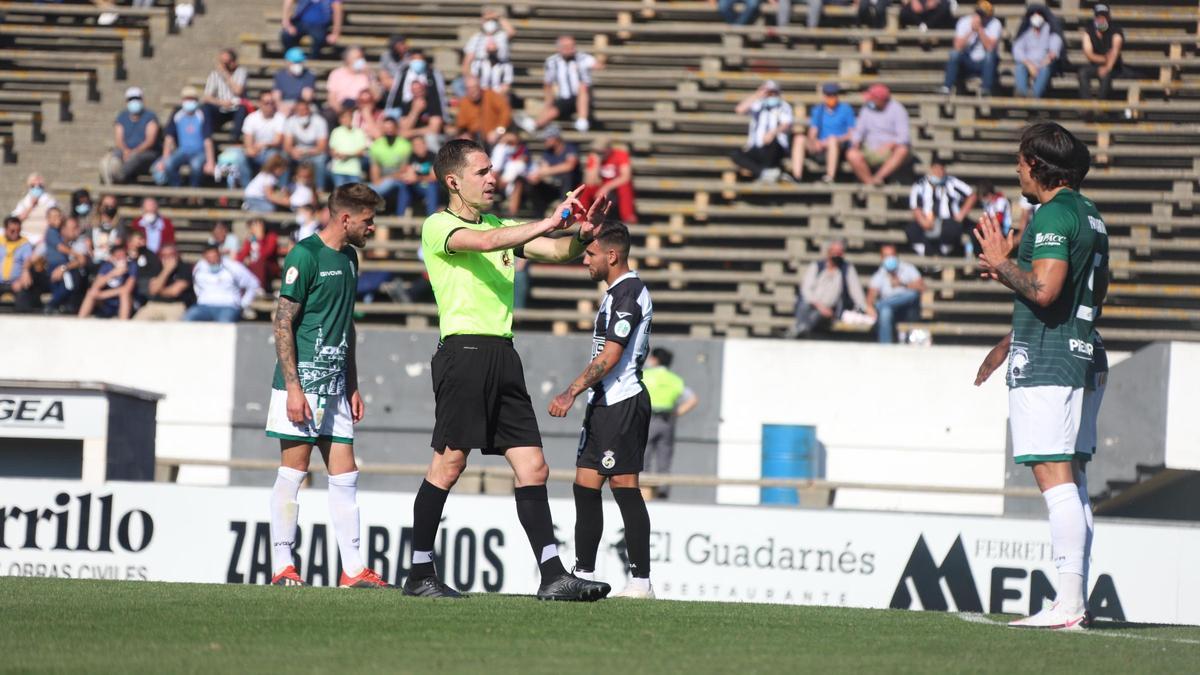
<point x="1059" y="278"/>
<point x="315" y="398"/>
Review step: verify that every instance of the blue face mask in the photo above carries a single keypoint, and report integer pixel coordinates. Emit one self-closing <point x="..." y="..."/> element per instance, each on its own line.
<point x="891" y="263"/>
<point x="135" y="106"/>
<point x="872" y="105"/>
<point x="771" y="101"/>
<point x="37" y="191"/>
<point x="418" y="67"/>
<point x="189" y="106"/>
<point x="83" y="209"/>
<point x="936" y="181"/>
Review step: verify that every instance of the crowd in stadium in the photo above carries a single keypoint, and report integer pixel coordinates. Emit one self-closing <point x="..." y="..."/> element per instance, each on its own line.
<point x="382" y="121"/>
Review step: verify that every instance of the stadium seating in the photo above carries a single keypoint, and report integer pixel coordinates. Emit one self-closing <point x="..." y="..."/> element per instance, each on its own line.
<point x="723" y="257"/>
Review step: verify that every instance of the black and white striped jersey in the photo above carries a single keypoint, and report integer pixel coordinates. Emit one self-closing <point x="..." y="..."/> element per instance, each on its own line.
<point x="765" y="118"/>
<point x="624" y="317"/>
<point x="568" y="74"/>
<point x="942" y="200"/>
<point x="492" y="76"/>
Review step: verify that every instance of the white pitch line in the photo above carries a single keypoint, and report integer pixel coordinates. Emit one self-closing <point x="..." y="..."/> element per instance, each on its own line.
<point x="972" y="617"/>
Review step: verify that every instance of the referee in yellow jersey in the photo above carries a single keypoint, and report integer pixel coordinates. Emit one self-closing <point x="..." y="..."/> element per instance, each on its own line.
<point x="478" y="380"/>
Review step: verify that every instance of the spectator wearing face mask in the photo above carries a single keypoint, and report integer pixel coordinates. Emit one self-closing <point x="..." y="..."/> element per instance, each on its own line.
<point x="494" y="72"/>
<point x="880" y="138"/>
<point x="81" y="207"/>
<point x="224" y="92"/>
<point x="976" y="49"/>
<point x="393" y="61"/>
<point x="1103" y="41"/>
<point x="31" y="210"/>
<point x="893" y="294"/>
<point x="1036" y="51"/>
<point x="159" y="231"/>
<point x="293" y="83"/>
<point x="306" y="142"/>
<point x="111" y="293"/>
<point x="829" y="287"/>
<point x="188" y="142"/>
<point x="345" y="81"/>
<point x="223" y="288"/>
<point x="320" y="20"/>
<point x="494" y="27"/>
<point x="940" y="204"/>
<point x="418" y="80"/>
<point x="135" y="140"/>
<point x="768" y="137"/>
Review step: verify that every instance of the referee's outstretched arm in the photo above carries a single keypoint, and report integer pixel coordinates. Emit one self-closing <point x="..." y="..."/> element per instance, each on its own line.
<point x="513" y="236"/>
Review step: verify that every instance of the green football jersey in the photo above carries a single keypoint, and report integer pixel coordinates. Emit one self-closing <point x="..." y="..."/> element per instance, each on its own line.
<point x="473" y="290"/>
<point x="324" y="282"/>
<point x="1055" y="345"/>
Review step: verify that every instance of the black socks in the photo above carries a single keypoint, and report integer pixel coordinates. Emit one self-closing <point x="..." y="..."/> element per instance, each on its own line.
<point x="427" y="516"/>
<point x="533" y="510"/>
<point x="589" y="526"/>
<point x="637" y="530"/>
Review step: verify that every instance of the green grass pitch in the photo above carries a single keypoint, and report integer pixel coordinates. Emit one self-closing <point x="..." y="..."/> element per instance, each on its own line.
<point x="50" y="625"/>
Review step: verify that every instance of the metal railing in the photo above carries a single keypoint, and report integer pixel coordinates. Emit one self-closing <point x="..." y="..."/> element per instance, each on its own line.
<point x="168" y="471"/>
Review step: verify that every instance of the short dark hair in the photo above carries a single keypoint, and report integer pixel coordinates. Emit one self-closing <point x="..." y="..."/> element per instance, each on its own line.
<point x="10" y="220"/>
<point x="616" y="235"/>
<point x="1056" y="156"/>
<point x="664" y="356"/>
<point x="985" y="187"/>
<point x="353" y="198"/>
<point x="453" y="157"/>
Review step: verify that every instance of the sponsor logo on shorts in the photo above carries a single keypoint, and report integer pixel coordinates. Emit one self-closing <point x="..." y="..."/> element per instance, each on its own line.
<point x="609" y="460"/>
<point x="622" y="328"/>
<point x="292" y="274"/>
<point x="1049" y="239"/>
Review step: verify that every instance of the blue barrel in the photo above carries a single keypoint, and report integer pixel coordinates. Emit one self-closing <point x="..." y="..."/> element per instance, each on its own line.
<point x="788" y="451"/>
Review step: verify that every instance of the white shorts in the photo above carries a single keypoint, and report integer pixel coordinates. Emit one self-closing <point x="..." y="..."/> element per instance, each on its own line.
<point x="1085" y="442"/>
<point x="1045" y="422"/>
<point x="331" y="419"/>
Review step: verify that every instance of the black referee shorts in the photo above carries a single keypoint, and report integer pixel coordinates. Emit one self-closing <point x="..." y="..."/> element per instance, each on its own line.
<point x="480" y="397"/>
<point x="613" y="438"/>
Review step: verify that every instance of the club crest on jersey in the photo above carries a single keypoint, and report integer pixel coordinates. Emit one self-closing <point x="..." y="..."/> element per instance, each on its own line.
<point x="1018" y="362"/>
<point x="622" y="328"/>
<point x="292" y="274"/>
<point x="609" y="460"/>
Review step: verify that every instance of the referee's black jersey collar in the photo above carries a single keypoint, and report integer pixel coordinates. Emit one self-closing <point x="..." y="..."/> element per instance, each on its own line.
<point x="631" y="274"/>
<point x="469" y="222"/>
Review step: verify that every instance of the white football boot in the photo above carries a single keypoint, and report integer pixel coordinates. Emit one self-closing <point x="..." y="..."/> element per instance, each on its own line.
<point x="1052" y="618"/>
<point x="638" y="589"/>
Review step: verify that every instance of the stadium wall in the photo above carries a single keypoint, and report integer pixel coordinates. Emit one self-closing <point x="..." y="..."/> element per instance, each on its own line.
<point x="163" y="532"/>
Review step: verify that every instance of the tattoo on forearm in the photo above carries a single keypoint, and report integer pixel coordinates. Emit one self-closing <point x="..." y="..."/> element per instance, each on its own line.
<point x="594" y="372"/>
<point x="285" y="340"/>
<point x="1025" y="284"/>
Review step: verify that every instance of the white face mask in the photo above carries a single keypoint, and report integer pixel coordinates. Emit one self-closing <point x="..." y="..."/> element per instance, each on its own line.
<point x="1037" y="21"/>
<point x="491" y="26"/>
<point x="359" y="64"/>
<point x="296" y="69"/>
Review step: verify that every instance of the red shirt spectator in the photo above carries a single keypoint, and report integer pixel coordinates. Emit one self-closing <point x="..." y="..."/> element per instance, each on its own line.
<point x="260" y="253"/>
<point x="608" y="172"/>
<point x="158" y="229"/>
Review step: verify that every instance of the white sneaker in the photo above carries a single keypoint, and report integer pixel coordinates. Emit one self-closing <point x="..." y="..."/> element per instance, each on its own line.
<point x="1053" y="618"/>
<point x="107" y="18"/>
<point x="525" y="121"/>
<point x="636" y="591"/>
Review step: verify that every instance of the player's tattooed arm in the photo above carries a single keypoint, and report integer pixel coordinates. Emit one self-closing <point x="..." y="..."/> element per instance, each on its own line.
<point x="285" y="340"/>
<point x="1041" y="285"/>
<point x="595" y="371"/>
<point x="1024" y="283"/>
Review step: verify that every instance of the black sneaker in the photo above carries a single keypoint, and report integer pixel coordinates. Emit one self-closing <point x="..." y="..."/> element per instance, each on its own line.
<point x="429" y="587"/>
<point x="570" y="587"/>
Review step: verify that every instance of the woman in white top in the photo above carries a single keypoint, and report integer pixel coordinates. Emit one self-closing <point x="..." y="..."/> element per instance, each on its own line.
<point x="304" y="191"/>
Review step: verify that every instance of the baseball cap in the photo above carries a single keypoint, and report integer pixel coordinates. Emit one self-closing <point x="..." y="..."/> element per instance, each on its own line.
<point x="551" y="131"/>
<point x="831" y="89"/>
<point x="133" y="92"/>
<point x="294" y="55"/>
<point x="189" y="92"/>
<point x="878" y="92"/>
<point x="984" y="8"/>
<point x="771" y="85"/>
<point x="1101" y="9"/>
